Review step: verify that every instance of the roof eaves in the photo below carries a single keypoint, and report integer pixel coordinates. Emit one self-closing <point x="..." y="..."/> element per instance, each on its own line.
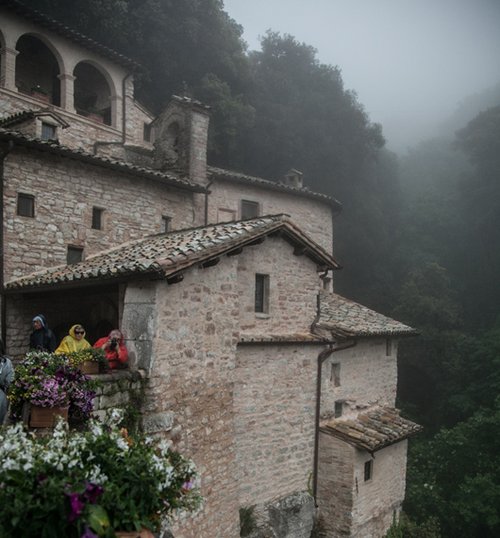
<point x="59" y="28"/>
<point x="229" y="175"/>
<point x="79" y="155"/>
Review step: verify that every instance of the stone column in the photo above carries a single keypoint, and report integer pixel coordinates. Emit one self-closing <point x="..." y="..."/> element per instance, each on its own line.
<point x="116" y="112"/>
<point x="67" y="91"/>
<point x="8" y="70"/>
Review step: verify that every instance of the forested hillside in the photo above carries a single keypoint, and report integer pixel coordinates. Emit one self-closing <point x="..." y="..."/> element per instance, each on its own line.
<point x="418" y="236"/>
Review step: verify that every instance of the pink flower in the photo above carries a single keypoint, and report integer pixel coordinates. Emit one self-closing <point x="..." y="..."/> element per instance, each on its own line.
<point x="77" y="506"/>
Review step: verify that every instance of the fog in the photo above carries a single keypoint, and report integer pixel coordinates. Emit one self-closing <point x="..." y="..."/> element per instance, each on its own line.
<point x="410" y="61"/>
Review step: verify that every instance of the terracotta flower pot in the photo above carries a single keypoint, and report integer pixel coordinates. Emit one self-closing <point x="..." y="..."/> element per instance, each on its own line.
<point x="144" y="533"/>
<point x="45" y="417"/>
<point x="89" y="367"/>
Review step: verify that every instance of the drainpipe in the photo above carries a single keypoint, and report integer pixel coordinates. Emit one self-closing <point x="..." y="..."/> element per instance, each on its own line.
<point x="209" y="184"/>
<point x="3" y="307"/>
<point x="323" y="355"/>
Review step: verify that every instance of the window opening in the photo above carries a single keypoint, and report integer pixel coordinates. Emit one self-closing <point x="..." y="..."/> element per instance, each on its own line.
<point x="97" y="213"/>
<point x="74" y="255"/>
<point x="249" y="209"/>
<point x="166" y="223"/>
<point x="92" y="94"/>
<point x="388" y="347"/>
<point x="339" y="407"/>
<point x="25" y="205"/>
<point x="368" y="472"/>
<point x="335" y="374"/>
<point x="262" y="293"/>
<point x="146" y="134"/>
<point x="49" y="132"/>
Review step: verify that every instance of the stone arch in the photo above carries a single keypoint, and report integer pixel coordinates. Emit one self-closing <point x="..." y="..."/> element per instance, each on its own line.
<point x="38" y="66"/>
<point x="95" y="92"/>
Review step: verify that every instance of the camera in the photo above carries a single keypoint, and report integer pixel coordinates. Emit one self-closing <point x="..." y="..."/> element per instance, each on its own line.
<point x="113" y="343"/>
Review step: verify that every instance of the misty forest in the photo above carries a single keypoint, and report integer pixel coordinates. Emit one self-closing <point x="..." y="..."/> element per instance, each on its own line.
<point x="417" y="236"/>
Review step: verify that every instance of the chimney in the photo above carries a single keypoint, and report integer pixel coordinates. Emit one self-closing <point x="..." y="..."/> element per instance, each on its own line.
<point x="181" y="137"/>
<point x="293" y="178"/>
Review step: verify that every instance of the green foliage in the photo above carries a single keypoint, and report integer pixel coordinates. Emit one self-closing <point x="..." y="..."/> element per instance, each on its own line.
<point x="406" y="528"/>
<point x="102" y="479"/>
<point x="456" y="477"/>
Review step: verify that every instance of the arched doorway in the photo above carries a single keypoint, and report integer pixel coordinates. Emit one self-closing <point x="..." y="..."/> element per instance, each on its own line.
<point x="92" y="93"/>
<point x="37" y="70"/>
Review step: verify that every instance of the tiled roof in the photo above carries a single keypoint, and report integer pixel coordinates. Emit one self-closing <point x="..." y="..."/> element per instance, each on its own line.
<point x="373" y="430"/>
<point x="19" y="117"/>
<point x="57" y="27"/>
<point x="345" y="318"/>
<point x="294" y="338"/>
<point x="168" y="254"/>
<point x="54" y="147"/>
<point x="238" y="177"/>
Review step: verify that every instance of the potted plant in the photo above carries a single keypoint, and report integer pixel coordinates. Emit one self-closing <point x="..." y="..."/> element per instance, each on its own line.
<point x="89" y="484"/>
<point x="50" y="386"/>
<point x="90" y="361"/>
<point x="39" y="93"/>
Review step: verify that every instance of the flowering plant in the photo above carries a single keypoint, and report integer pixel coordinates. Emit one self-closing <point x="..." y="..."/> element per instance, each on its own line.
<point x="90" y="354"/>
<point x="48" y="380"/>
<point x="89" y="484"/>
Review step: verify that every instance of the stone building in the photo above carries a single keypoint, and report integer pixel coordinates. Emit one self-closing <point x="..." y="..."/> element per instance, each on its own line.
<point x="282" y="391"/>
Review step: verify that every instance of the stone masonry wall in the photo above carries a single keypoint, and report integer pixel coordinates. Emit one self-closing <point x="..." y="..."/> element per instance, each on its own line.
<point x="367" y="376"/>
<point x="378" y="500"/>
<point x="274" y="404"/>
<point x="313" y="216"/>
<point x="293" y="289"/>
<point x="65" y="192"/>
<point x="192" y="380"/>
<point x="335" y="486"/>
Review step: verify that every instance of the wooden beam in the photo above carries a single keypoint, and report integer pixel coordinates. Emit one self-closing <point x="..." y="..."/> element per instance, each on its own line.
<point x="235" y="252"/>
<point x="175" y="278"/>
<point x="210" y="263"/>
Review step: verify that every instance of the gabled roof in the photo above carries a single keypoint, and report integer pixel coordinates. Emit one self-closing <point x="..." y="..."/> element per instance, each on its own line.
<point x="346" y="319"/>
<point x="167" y="255"/>
<point x="238" y="177"/>
<point x="20" y="117"/>
<point x="51" y="146"/>
<point x="57" y="27"/>
<point x="373" y="430"/>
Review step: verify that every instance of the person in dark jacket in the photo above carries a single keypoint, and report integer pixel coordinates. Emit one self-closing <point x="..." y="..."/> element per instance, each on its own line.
<point x="42" y="338"/>
<point x="6" y="378"/>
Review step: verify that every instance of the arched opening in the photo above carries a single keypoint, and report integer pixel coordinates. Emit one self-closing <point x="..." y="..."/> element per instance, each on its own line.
<point x="37" y="70"/>
<point x="92" y="93"/>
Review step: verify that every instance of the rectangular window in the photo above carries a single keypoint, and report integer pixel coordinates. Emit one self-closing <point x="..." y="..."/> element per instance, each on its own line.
<point x="49" y="132"/>
<point x="74" y="255"/>
<point x="339" y="407"/>
<point x="262" y="293"/>
<point x="166" y="223"/>
<point x="97" y="218"/>
<point x="368" y="470"/>
<point x="335" y="374"/>
<point x="388" y="347"/>
<point x="25" y="205"/>
<point x="249" y="209"/>
<point x="146" y="133"/>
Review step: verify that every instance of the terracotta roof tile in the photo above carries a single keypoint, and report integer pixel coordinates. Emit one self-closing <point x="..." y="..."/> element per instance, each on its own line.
<point x="372" y="430"/>
<point x="345" y="318"/>
<point x="170" y="253"/>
